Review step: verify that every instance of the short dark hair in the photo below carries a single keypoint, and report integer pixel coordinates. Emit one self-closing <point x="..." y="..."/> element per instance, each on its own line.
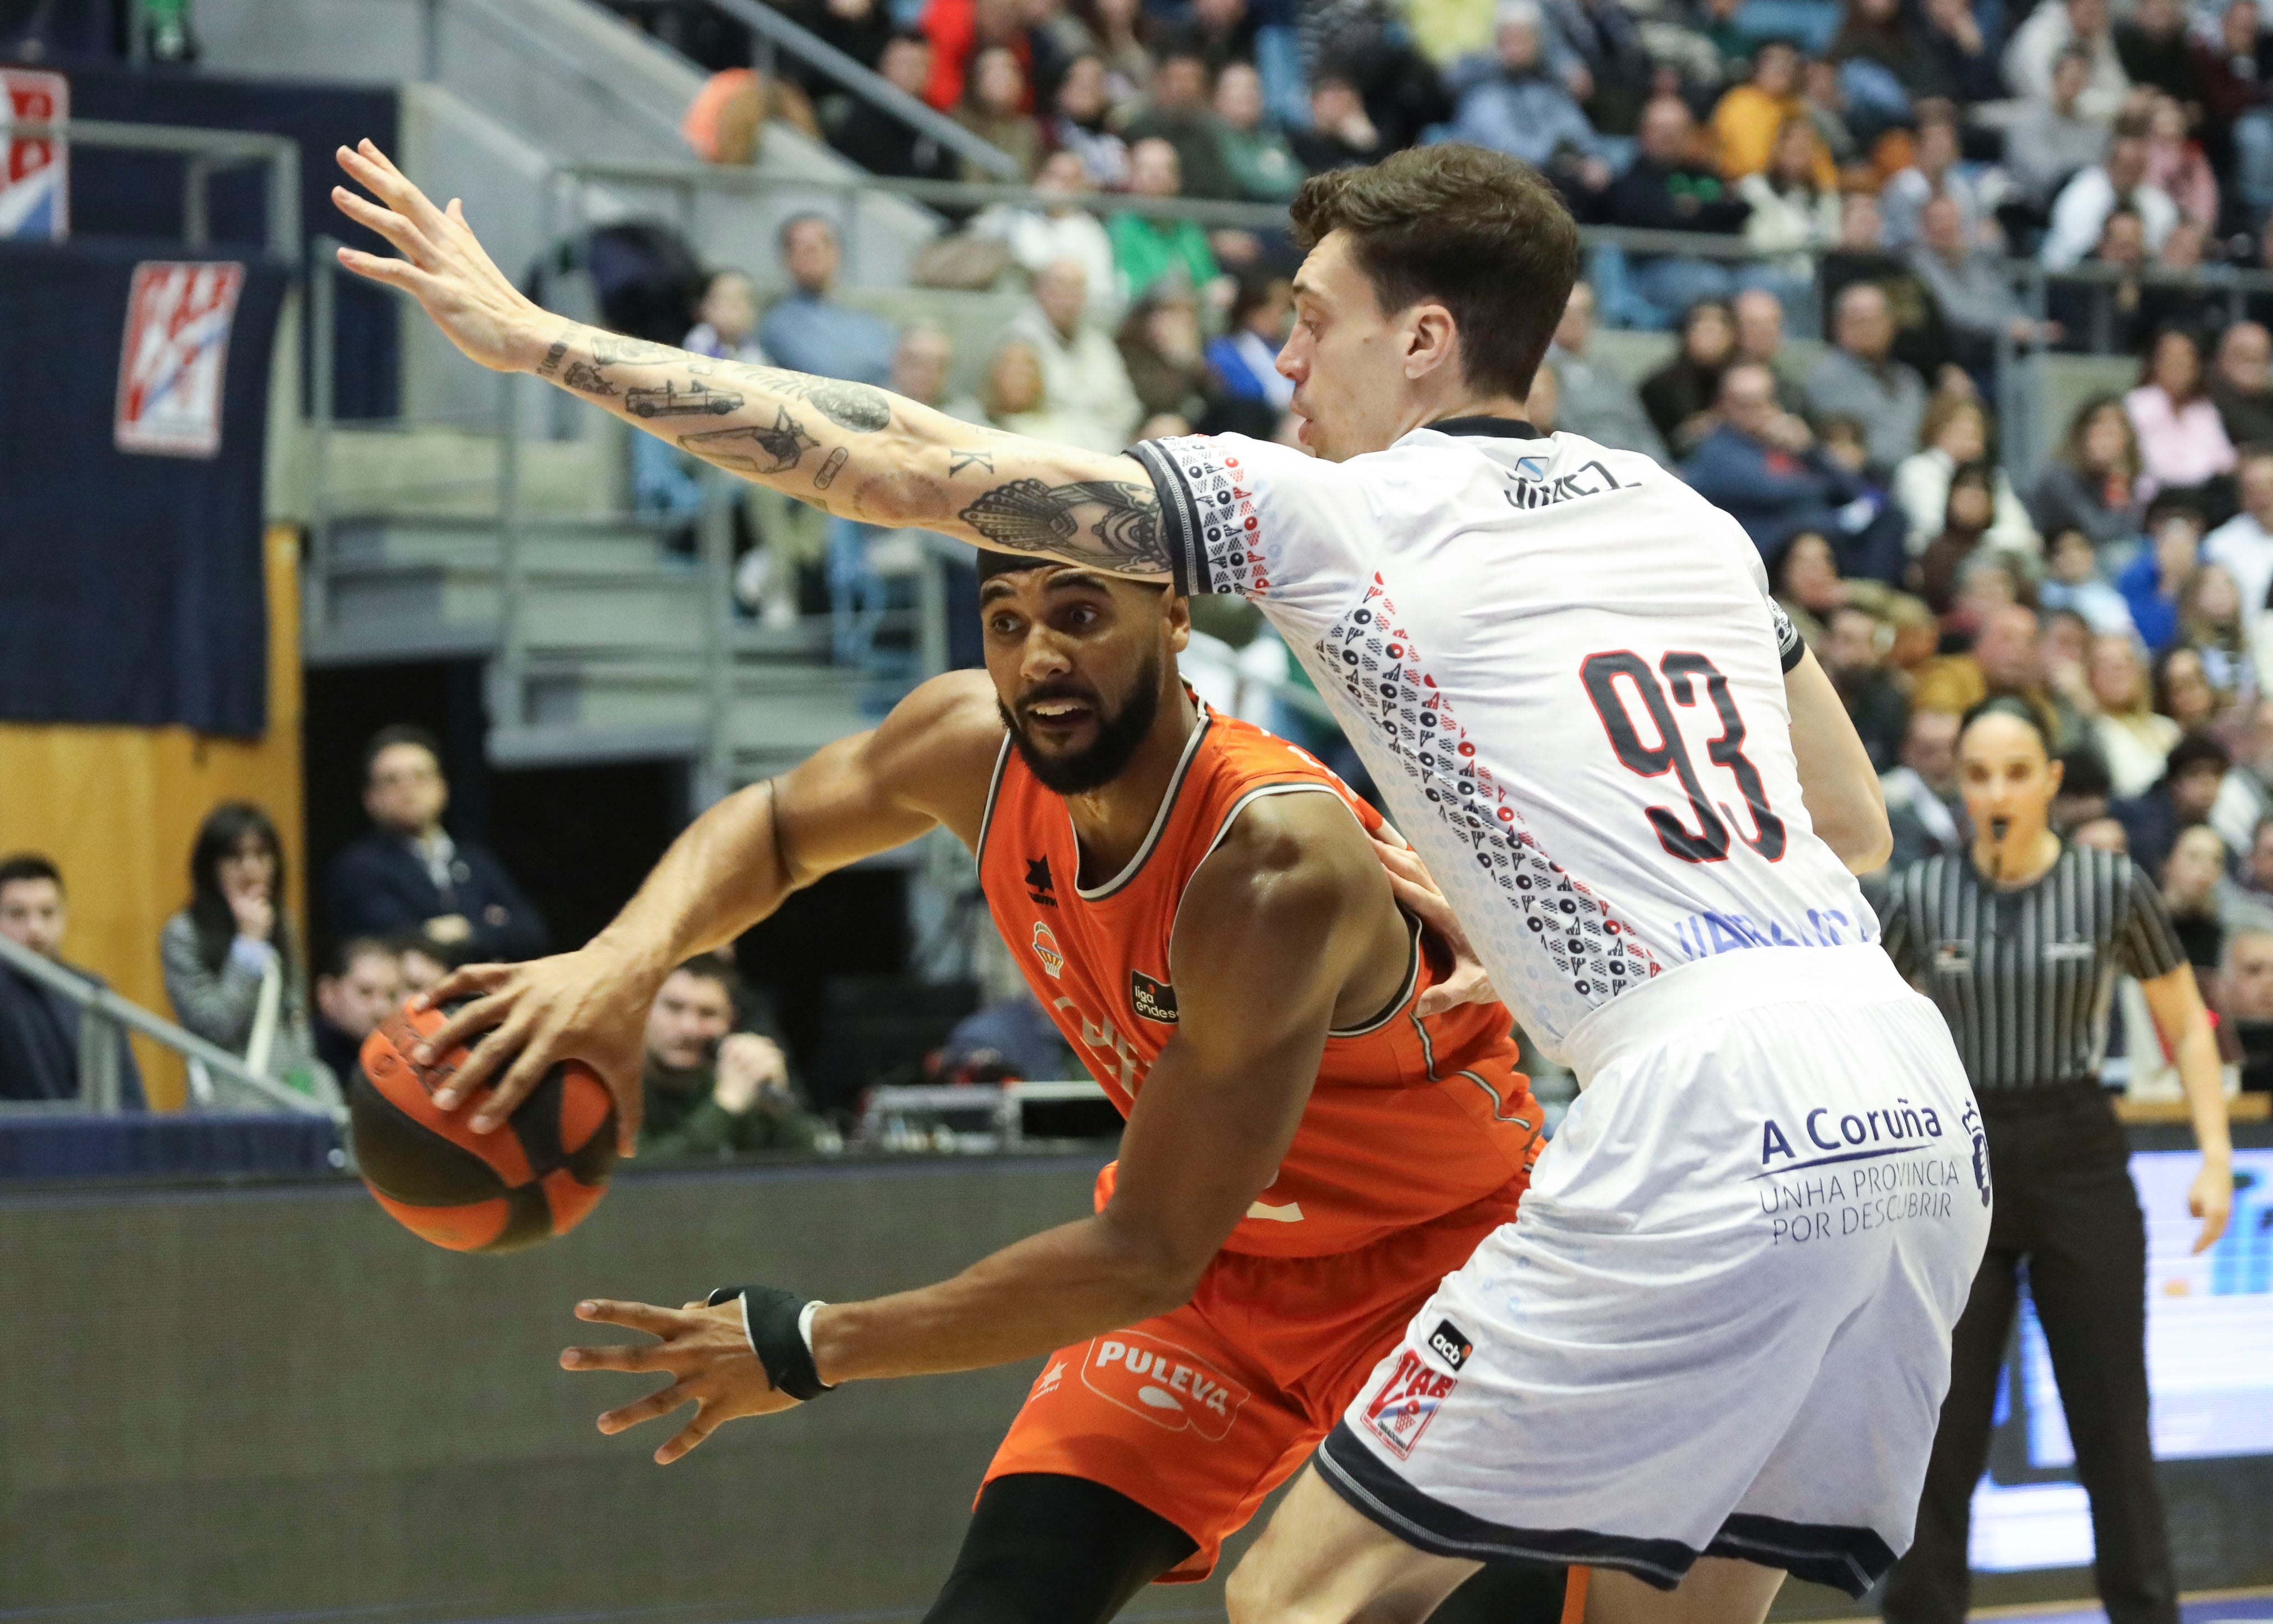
<point x="1478" y="231"/>
<point x="344" y="953"/>
<point x="718" y="968"/>
<point x="2083" y="772"/>
<point x="399" y="733"/>
<point x="2008" y="705"/>
<point x="29" y="865"/>
<point x="2196" y="750"/>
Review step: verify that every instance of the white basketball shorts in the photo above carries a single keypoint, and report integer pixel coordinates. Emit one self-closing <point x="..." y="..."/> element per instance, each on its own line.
<point x="1720" y="1322"/>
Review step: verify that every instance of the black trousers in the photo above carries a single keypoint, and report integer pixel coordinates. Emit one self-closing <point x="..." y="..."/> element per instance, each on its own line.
<point x="2068" y="1215"/>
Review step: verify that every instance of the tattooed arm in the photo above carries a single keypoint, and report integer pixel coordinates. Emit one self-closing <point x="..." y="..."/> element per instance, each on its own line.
<point x="860" y="453"/>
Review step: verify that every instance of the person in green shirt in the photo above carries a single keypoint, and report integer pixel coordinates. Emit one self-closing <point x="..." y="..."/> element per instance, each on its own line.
<point x="714" y="1092"/>
<point x="1253" y="151"/>
<point x="1145" y="249"/>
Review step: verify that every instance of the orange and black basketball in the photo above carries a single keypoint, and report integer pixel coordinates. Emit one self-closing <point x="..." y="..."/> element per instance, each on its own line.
<point x="533" y="1178"/>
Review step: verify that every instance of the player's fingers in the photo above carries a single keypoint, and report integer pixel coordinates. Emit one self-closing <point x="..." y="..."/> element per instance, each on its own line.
<point x="471" y="982"/>
<point x="377" y="171"/>
<point x="387" y="223"/>
<point x="661" y="1402"/>
<point x="534" y="1059"/>
<point x="626" y="1356"/>
<point x="393" y="272"/>
<point x="498" y="1034"/>
<point x="705" y="1422"/>
<point x="632" y="1316"/>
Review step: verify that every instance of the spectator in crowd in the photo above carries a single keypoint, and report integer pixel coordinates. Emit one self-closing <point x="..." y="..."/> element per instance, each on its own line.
<point x="2093" y="484"/>
<point x="1177" y="111"/>
<point x="1080" y="125"/>
<point x="1665" y="188"/>
<point x="881" y="142"/>
<point x="1948" y="558"/>
<point x="1933" y="173"/>
<point x="424" y="961"/>
<point x="1924" y="807"/>
<point x="1243" y="360"/>
<point x="1683" y="395"/>
<point x="1955" y="61"/>
<point x="807" y="330"/>
<point x="922" y="365"/>
<point x="1145" y="249"/>
<point x="2237" y="78"/>
<point x="2182" y="798"/>
<point x="1082" y="373"/>
<point x="1119" y="29"/>
<point x="1762" y="466"/>
<point x="2151" y="44"/>
<point x="1826" y="103"/>
<point x="2153" y="582"/>
<point x="2061" y="25"/>
<point x="2113" y="317"/>
<point x="41" y="1032"/>
<point x="2192" y="893"/>
<point x="2053" y="137"/>
<point x="1342" y="134"/>
<point x="360" y="986"/>
<point x="1057" y="228"/>
<point x="1971" y="288"/>
<point x="2005" y="659"/>
<point x="994" y="98"/>
<point x="234" y="974"/>
<point x="2131" y="738"/>
<point x="2243" y="545"/>
<point x="1161" y="346"/>
<point x="1803" y="572"/>
<point x="1955" y="431"/>
<point x="958" y="30"/>
<point x="2118" y="183"/>
<point x="726" y="319"/>
<point x="2241" y="385"/>
<point x="2256" y="879"/>
<point x="1597" y="401"/>
<point x="1510" y="101"/>
<point x="2182" y="689"/>
<point x="2246" y="983"/>
<point x="2176" y="166"/>
<point x="1016" y="395"/>
<point x="715" y="1086"/>
<point x="1751" y="117"/>
<point x="1011" y="1039"/>
<point x="1879" y="66"/>
<point x="2085" y="791"/>
<point x="1854" y="655"/>
<point x="2072" y="581"/>
<point x="2182" y="444"/>
<point x="410" y="873"/>
<point x="1793" y="216"/>
<point x="1262" y="167"/>
<point x="1860" y="378"/>
<point x="1921" y="341"/>
<point x="2209" y="622"/>
<point x="1759" y="338"/>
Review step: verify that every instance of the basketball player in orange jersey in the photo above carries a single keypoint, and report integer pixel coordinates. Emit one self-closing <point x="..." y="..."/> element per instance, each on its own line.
<point x="1199" y="907"/>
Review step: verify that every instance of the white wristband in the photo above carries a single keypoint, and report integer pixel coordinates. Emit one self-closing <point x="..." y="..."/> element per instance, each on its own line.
<point x="804" y="1322"/>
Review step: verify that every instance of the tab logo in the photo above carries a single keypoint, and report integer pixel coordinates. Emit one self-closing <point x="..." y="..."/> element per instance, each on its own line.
<point x="1155" y="1000"/>
<point x="1402" y="1409"/>
<point x="1168" y="1385"/>
<point x="173" y="359"/>
<point x="1046" y="949"/>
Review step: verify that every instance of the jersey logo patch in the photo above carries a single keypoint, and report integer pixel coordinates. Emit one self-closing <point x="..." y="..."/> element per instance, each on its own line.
<point x="1039" y="886"/>
<point x="1952" y="958"/>
<point x="1168" y="1385"/>
<point x="1154" y="1000"/>
<point x="1450" y="1343"/>
<point x="1402" y="1409"/>
<point x="1046" y="949"/>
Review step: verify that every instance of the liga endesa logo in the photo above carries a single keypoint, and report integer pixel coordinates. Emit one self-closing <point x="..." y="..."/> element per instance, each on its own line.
<point x="1165" y="1384"/>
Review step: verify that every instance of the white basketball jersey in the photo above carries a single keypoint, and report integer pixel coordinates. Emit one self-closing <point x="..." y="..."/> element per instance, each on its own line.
<point x="1564" y="670"/>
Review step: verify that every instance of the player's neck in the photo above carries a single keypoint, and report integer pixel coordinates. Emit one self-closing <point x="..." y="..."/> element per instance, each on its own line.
<point x="1460" y="403"/>
<point x="1111" y="822"/>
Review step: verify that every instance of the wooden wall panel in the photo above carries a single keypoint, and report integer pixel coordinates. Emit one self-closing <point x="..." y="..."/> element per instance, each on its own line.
<point x="117" y="807"/>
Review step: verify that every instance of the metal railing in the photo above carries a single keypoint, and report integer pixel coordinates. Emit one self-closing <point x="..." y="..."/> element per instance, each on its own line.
<point x="104" y="1017"/>
<point x="207" y="153"/>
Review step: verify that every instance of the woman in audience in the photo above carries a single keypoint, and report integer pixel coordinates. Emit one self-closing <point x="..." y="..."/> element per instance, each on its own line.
<point x="1805" y="572"/>
<point x="1243" y="362"/>
<point x="2209" y="622"/>
<point x="1079" y="126"/>
<point x="2176" y="164"/>
<point x="1161" y="346"/>
<point x="1679" y="396"/>
<point x="1955" y="432"/>
<point x="992" y="110"/>
<point x="2131" y="737"/>
<point x="1017" y="400"/>
<point x="2092" y="486"/>
<point x="2182" y="690"/>
<point x="1793" y="218"/>
<point x="234" y="974"/>
<point x="1966" y="510"/>
<point x="2182" y="443"/>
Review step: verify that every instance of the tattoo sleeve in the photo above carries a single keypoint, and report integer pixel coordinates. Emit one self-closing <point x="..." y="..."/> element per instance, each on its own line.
<point x="1122" y="517"/>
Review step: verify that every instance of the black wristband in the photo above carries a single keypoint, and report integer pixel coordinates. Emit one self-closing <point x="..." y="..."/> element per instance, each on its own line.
<point x="770" y="1315"/>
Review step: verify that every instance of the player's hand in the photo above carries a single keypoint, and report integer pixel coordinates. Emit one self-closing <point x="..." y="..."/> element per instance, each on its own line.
<point x="2211" y="1199"/>
<point x="1416" y="893"/>
<point x="706" y="1352"/>
<point x="443" y="265"/>
<point x="590" y="1006"/>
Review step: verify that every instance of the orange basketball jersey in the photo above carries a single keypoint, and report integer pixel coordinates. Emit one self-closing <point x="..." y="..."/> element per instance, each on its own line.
<point x="1409" y="1119"/>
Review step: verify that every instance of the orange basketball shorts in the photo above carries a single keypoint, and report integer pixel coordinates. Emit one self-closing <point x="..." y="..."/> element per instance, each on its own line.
<point x="1198" y="1414"/>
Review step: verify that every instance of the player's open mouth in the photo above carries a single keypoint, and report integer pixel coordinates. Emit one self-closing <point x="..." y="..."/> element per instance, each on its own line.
<point x="1056" y="716"/>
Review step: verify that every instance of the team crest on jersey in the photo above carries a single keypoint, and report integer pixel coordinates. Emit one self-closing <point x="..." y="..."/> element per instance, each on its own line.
<point x="1039" y="887"/>
<point x="1168" y="1385"/>
<point x="1402" y="1409"/>
<point x="1046" y="949"/>
<point x="1155" y="1000"/>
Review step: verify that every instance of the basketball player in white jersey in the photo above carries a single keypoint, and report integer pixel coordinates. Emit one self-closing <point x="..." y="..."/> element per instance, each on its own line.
<point x="1714" y="1348"/>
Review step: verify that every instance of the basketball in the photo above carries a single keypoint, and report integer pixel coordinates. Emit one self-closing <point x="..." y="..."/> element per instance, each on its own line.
<point x="528" y="1181"/>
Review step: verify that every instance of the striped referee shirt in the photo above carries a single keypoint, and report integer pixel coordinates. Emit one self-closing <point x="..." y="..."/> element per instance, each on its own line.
<point x="2024" y="976"/>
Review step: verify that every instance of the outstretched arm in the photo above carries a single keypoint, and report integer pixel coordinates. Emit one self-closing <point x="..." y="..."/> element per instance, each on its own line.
<point x="858" y="452"/>
<point x="1836" y="780"/>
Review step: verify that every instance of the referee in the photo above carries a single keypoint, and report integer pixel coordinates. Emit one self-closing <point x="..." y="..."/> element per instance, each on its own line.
<point x="2019" y="944"/>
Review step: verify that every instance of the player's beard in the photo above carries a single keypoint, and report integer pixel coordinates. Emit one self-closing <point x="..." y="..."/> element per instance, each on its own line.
<point x="1107" y="755"/>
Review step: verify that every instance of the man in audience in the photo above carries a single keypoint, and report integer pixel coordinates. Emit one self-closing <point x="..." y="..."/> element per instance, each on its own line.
<point x="2118" y="183"/>
<point x="1596" y="400"/>
<point x="410" y="874"/>
<point x="1262" y="167"/>
<point x="2241" y="384"/>
<point x="2151" y="44"/>
<point x="882" y="143"/>
<point x="2189" y="786"/>
<point x="2257" y="877"/>
<point x="1969" y="284"/>
<point x="2059" y="26"/>
<point x="1860" y="378"/>
<point x="1177" y="112"/>
<point x="1146" y="249"/>
<point x="1933" y="173"/>
<point x="1762" y="466"/>
<point x="1854" y="655"/>
<point x="2053" y="136"/>
<point x="2244" y="543"/>
<point x="42" y="1034"/>
<point x="359" y="987"/>
<point x="715" y="1087"/>
<point x="1924" y="805"/>
<point x="1341" y="135"/>
<point x="1083" y="375"/>
<point x="2006" y="658"/>
<point x="808" y="331"/>
<point x="1665" y="188"/>
<point x="1509" y="101"/>
<point x="1759" y="338"/>
<point x="921" y="367"/>
<point x="1955" y="58"/>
